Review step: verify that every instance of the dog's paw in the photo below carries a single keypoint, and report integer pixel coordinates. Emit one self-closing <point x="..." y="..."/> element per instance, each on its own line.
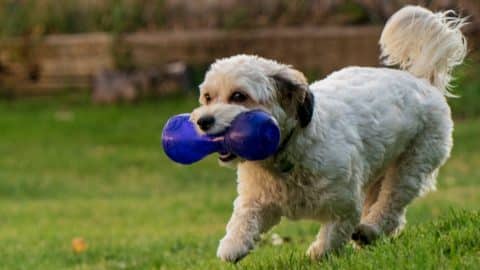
<point x="233" y="250"/>
<point x="365" y="234"/>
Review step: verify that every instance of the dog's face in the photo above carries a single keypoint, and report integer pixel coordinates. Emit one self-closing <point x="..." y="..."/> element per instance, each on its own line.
<point x="243" y="82"/>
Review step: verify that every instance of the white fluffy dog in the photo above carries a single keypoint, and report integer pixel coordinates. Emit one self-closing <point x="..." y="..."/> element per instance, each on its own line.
<point x="357" y="147"/>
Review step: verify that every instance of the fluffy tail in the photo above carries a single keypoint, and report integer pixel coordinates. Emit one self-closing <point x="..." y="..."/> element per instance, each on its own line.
<point x="428" y="45"/>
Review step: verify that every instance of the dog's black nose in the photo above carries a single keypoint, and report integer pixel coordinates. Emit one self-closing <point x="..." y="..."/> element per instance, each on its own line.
<point x="206" y="122"/>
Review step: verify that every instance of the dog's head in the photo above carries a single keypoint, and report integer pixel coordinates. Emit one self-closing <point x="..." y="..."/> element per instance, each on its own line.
<point x="244" y="82"/>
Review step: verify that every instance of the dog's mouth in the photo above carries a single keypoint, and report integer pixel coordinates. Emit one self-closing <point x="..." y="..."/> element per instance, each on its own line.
<point x="226" y="157"/>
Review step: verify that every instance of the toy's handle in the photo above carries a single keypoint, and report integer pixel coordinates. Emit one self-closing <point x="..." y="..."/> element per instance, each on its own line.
<point x="183" y="144"/>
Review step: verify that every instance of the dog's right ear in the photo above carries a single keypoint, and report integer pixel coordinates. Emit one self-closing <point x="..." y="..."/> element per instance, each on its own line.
<point x="294" y="95"/>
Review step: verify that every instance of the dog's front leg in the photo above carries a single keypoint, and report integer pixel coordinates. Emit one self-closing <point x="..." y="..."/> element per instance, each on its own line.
<point x="248" y="221"/>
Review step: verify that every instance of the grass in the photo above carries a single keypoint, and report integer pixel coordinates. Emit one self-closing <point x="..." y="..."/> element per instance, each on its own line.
<point x="69" y="169"/>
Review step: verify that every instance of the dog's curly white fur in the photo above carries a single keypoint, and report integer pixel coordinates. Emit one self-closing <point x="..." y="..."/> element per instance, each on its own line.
<point x="361" y="143"/>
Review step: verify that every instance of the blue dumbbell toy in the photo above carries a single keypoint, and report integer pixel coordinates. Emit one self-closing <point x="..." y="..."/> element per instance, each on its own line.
<point x="252" y="135"/>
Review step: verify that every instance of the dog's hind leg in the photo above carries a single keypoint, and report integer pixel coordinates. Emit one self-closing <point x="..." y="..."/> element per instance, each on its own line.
<point x="412" y="174"/>
<point x="386" y="206"/>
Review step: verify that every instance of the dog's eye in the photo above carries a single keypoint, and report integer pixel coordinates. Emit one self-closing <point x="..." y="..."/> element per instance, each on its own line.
<point x="238" y="97"/>
<point x="207" y="98"/>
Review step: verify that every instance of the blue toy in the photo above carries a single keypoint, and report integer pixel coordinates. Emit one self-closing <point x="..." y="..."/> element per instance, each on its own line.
<point x="252" y="135"/>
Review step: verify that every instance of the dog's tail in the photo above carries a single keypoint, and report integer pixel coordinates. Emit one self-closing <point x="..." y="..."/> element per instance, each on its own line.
<point x="428" y="45"/>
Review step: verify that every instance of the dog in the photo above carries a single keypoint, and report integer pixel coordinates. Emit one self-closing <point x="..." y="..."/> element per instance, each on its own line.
<point x="356" y="147"/>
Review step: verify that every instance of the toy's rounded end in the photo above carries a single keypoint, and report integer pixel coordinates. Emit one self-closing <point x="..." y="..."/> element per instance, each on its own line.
<point x="181" y="142"/>
<point x="254" y="135"/>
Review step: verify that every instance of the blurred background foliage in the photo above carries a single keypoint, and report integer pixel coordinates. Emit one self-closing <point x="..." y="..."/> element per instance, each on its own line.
<point x="20" y="17"/>
<point x="37" y="18"/>
<point x="467" y="87"/>
<point x="32" y="17"/>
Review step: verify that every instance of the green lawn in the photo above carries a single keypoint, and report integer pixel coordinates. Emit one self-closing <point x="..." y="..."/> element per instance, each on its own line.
<point x="69" y="169"/>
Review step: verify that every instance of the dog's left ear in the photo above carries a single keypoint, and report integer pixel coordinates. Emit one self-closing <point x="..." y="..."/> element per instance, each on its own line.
<point x="294" y="94"/>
